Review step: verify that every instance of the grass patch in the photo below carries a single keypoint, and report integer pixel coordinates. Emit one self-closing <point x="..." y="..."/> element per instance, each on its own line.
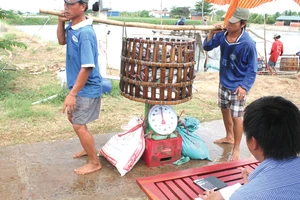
<point x="115" y="91"/>
<point x="6" y="83"/>
<point x="9" y="36"/>
<point x="22" y="109"/>
<point x="17" y="99"/>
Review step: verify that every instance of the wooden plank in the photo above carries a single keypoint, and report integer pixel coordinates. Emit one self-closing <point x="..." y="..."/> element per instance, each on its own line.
<point x="176" y="190"/>
<point x="249" y="168"/>
<point x="185" y="186"/>
<point x="152" y="191"/>
<point x="180" y="185"/>
<point x="193" y="186"/>
<point x="166" y="190"/>
<point x="194" y="171"/>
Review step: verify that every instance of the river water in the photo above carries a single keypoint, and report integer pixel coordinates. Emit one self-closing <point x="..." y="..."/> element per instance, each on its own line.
<point x="111" y="44"/>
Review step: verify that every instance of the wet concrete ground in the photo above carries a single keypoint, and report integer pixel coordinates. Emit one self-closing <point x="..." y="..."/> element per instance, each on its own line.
<point x="45" y="170"/>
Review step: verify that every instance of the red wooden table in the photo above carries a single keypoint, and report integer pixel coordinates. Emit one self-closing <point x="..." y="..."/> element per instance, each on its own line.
<point x="180" y="185"/>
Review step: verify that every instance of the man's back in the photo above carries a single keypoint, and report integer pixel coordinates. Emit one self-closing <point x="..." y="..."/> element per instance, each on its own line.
<point x="272" y="180"/>
<point x="276" y="51"/>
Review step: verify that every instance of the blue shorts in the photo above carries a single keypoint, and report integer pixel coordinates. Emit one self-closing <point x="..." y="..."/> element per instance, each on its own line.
<point x="228" y="100"/>
<point x="87" y="110"/>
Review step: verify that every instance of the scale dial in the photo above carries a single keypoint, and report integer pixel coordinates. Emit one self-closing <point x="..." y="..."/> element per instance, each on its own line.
<point x="162" y="119"/>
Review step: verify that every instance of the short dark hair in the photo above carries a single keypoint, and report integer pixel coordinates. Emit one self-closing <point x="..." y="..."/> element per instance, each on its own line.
<point x="87" y="6"/>
<point x="244" y="22"/>
<point x="275" y="123"/>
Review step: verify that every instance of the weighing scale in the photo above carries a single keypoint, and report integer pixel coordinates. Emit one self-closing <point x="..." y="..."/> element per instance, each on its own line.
<point x="162" y="119"/>
<point x="163" y="147"/>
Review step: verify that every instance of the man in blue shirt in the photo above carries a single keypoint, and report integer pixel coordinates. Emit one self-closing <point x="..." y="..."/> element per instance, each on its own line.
<point x="181" y="21"/>
<point x="298" y="54"/>
<point x="238" y="66"/>
<point x="272" y="129"/>
<point x="82" y="104"/>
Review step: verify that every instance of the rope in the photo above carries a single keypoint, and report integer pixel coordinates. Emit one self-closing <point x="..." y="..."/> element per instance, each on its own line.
<point x="49" y="18"/>
<point x="189" y="124"/>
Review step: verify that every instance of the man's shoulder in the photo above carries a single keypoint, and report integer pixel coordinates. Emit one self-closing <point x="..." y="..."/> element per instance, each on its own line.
<point x="247" y="38"/>
<point x="87" y="32"/>
<point x="278" y="42"/>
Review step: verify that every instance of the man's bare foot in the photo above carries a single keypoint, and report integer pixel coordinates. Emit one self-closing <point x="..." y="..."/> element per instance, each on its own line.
<point x="235" y="155"/>
<point x="224" y="140"/>
<point x="79" y="154"/>
<point x="88" y="168"/>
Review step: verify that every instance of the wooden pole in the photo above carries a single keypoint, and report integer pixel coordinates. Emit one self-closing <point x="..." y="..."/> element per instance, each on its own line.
<point x="265" y="45"/>
<point x="138" y="25"/>
<point x="160" y="12"/>
<point x="202" y="9"/>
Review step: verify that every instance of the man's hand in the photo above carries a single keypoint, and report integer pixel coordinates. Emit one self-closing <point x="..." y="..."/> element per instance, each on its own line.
<point x="69" y="104"/>
<point x="211" y="195"/>
<point x="245" y="175"/>
<point x="211" y="33"/>
<point x="241" y="92"/>
<point x="63" y="17"/>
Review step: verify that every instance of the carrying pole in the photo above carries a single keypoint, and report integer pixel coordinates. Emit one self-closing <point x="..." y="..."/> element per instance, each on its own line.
<point x="138" y="25"/>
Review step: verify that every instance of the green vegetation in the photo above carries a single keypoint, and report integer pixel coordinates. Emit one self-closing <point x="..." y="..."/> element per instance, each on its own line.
<point x="35" y="20"/>
<point x="8" y="41"/>
<point x="115" y="92"/>
<point x="6" y="83"/>
<point x="17" y="100"/>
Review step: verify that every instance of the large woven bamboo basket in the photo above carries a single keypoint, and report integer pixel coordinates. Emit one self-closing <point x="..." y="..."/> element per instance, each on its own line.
<point x="289" y="63"/>
<point x="157" y="70"/>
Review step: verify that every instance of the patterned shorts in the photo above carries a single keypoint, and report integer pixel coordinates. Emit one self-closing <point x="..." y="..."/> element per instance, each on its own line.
<point x="228" y="100"/>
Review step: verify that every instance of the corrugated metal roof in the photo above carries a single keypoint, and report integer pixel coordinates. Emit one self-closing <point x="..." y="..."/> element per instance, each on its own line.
<point x="290" y="18"/>
<point x="196" y="13"/>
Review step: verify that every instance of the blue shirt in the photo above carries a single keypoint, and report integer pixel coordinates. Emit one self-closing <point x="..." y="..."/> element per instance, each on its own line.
<point x="82" y="51"/>
<point x="238" y="62"/>
<point x="272" y="180"/>
<point x="298" y="54"/>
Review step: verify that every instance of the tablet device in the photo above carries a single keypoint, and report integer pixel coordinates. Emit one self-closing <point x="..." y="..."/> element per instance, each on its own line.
<point x="210" y="183"/>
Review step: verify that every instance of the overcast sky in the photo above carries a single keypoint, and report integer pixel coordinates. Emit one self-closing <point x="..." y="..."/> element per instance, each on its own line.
<point x="136" y="5"/>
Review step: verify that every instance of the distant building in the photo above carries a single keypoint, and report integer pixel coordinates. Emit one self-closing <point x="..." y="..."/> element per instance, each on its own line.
<point x="198" y="16"/>
<point x="157" y="13"/>
<point x="113" y="13"/>
<point x="293" y="21"/>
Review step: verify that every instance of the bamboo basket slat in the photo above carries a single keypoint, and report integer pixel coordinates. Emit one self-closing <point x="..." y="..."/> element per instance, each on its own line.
<point x="157" y="69"/>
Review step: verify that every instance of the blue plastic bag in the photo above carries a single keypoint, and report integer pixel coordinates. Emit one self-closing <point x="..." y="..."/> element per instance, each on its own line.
<point x="192" y="144"/>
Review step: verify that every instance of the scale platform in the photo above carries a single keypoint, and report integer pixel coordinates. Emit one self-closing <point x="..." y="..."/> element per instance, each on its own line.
<point x="161" y="152"/>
